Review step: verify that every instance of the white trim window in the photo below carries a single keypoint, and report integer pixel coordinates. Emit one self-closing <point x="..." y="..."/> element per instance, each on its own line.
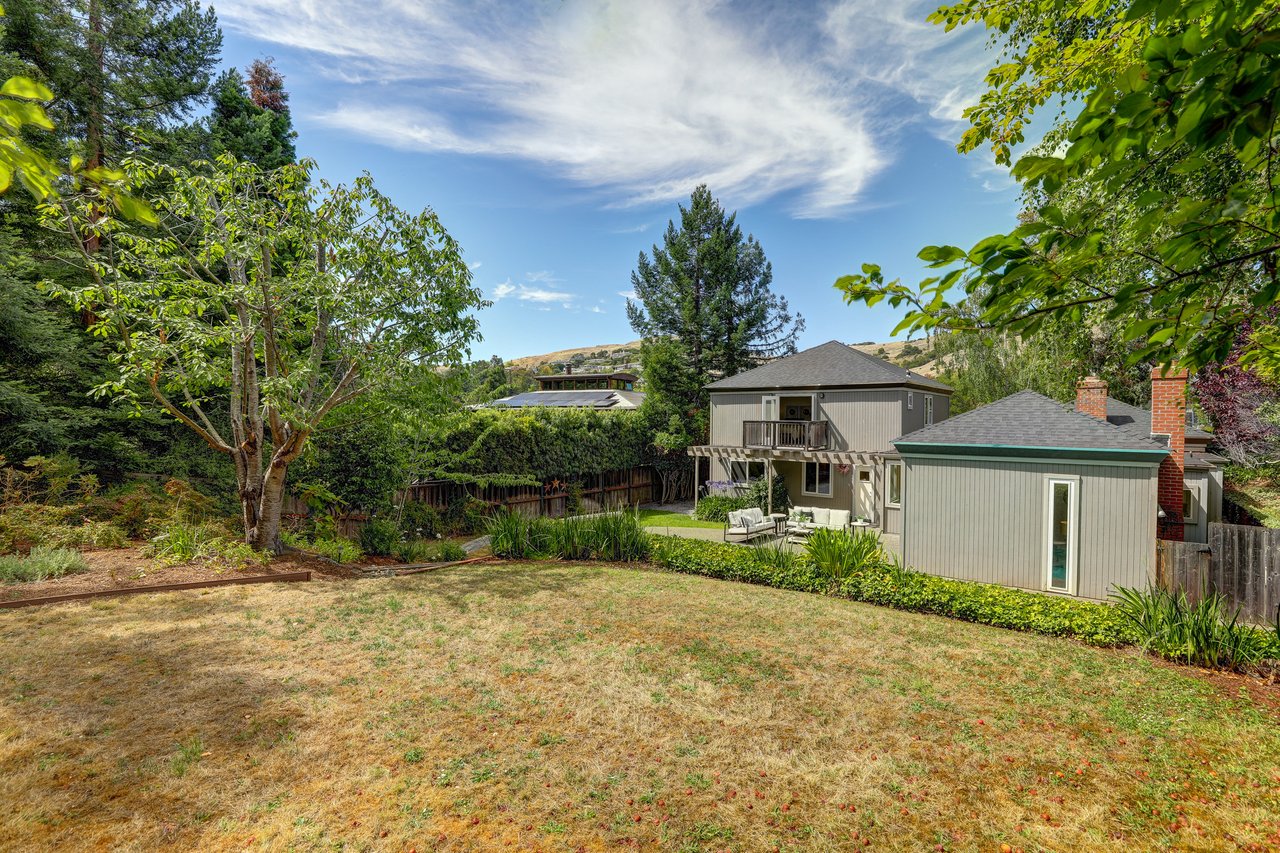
<point x="817" y="479"/>
<point x="911" y="400"/>
<point x="893" y="490"/>
<point x="928" y="409"/>
<point x="1191" y="504"/>
<point x="1061" y="533"/>
<point x="746" y="470"/>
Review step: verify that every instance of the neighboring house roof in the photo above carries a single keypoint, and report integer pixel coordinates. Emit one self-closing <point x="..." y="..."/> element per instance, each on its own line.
<point x="603" y="398"/>
<point x="831" y="365"/>
<point x="1029" y="424"/>
<point x="1138" y="421"/>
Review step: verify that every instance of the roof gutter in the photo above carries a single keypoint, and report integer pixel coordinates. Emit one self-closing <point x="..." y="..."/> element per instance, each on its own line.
<point x="1017" y="451"/>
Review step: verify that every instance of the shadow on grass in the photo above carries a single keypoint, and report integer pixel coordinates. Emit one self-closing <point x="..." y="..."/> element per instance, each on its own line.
<point x="507" y="581"/>
<point x="139" y="707"/>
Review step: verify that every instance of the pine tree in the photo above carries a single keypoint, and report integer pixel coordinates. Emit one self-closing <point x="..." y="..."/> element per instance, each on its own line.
<point x="122" y="70"/>
<point x="250" y="118"/>
<point x="708" y="288"/>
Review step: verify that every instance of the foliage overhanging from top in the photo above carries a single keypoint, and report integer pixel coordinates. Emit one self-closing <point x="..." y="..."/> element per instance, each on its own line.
<point x="1157" y="206"/>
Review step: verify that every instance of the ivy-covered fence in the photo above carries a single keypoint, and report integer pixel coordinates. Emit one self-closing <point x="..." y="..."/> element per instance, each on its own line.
<point x="538" y="461"/>
<point x="623" y="487"/>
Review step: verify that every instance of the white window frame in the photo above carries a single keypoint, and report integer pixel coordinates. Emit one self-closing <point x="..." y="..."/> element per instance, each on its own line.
<point x="1073" y="533"/>
<point x="831" y="479"/>
<point x="1197" y="504"/>
<point x="764" y="407"/>
<point x="911" y="400"/>
<point x="888" y="484"/>
<point x="928" y="409"/>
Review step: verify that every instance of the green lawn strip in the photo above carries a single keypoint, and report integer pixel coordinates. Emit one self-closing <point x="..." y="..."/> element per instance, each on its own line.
<point x="661" y="518"/>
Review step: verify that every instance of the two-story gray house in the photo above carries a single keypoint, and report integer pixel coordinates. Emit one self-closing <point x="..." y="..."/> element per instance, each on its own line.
<point x="1023" y="492"/>
<point x="825" y="419"/>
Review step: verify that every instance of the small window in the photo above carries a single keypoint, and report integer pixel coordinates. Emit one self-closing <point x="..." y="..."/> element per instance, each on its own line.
<point x="817" y="479"/>
<point x="745" y="471"/>
<point x="864" y="475"/>
<point x="895" y="484"/>
<point x="911" y="400"/>
<point x="1190" y="506"/>
<point x="928" y="409"/>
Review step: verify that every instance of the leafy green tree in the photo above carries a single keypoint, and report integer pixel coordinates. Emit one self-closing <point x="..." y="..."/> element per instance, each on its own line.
<point x="284" y="297"/>
<point x="490" y="379"/>
<point x="248" y="130"/>
<point x="1153" y="208"/>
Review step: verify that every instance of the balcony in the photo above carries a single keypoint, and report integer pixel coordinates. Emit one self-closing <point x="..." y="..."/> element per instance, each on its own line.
<point x="785" y="435"/>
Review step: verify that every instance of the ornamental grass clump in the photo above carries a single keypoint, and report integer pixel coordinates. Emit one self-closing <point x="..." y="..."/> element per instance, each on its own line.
<point x="519" y="537"/>
<point x="838" y="553"/>
<point x="617" y="537"/>
<point x="1206" y="632"/>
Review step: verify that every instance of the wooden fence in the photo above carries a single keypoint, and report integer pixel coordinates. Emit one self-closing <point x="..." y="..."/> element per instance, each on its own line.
<point x="1241" y="562"/>
<point x="609" y="490"/>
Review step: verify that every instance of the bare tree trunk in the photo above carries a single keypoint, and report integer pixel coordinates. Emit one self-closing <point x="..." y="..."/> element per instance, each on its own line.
<point x="267" y="531"/>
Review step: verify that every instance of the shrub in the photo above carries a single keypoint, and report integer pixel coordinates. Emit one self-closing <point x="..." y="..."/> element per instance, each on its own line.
<point x="91" y="534"/>
<point x="837" y="553"/>
<point x="25" y="526"/>
<point x="41" y="564"/>
<point x="613" y="536"/>
<point x="450" y="552"/>
<point x="413" y="551"/>
<point x="421" y="520"/>
<point x="379" y="536"/>
<point x="136" y="509"/>
<point x="571" y="538"/>
<point x="718" y="507"/>
<point x="338" y="549"/>
<point x="1207" y="633"/>
<point x="182" y="542"/>
<point x="734" y="563"/>
<point x="777" y="555"/>
<point x="890" y="585"/>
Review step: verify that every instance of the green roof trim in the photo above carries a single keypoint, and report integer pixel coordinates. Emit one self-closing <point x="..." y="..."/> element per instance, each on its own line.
<point x="1023" y="451"/>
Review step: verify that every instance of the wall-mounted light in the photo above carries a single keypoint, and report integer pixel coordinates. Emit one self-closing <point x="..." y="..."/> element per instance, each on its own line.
<point x="822" y="395"/>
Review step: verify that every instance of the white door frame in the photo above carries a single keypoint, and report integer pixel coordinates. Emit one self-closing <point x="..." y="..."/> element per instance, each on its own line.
<point x="1073" y="532"/>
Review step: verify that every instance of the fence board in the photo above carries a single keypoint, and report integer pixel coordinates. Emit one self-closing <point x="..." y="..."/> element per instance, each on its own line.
<point x="1241" y="561"/>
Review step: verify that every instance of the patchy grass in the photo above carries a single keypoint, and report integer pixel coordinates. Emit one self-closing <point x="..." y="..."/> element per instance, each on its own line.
<point x="557" y="706"/>
<point x="662" y="518"/>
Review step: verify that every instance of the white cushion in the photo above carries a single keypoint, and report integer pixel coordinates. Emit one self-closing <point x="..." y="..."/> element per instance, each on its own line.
<point x="735" y="518"/>
<point x="840" y="517"/>
<point x="752" y="515"/>
<point x="821" y="516"/>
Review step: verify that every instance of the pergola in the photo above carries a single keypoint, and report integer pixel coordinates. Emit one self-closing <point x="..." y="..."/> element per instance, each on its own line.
<point x="769" y="456"/>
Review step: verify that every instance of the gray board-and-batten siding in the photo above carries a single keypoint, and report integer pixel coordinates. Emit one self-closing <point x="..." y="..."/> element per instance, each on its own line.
<point x="984" y="519"/>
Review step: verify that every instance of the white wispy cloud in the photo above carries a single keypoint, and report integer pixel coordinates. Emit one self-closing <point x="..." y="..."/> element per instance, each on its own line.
<point x="628" y="294"/>
<point x="531" y="290"/>
<point x="640" y="100"/>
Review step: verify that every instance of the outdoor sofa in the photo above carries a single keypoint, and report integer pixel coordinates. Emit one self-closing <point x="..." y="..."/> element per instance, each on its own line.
<point x="803" y="520"/>
<point x="746" y="524"/>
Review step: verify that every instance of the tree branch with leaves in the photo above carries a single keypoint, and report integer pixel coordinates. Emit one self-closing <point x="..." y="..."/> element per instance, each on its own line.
<point x="282" y="296"/>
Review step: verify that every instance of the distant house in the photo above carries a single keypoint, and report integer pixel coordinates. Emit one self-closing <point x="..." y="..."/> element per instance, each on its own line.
<point x="579" y="390"/>
<point x="1025" y="492"/>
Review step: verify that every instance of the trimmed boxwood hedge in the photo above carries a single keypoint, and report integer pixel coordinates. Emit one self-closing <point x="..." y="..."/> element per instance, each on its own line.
<point x="892" y="586"/>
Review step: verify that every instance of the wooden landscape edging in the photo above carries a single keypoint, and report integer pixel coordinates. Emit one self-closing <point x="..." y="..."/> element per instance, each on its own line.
<point x="283" y="577"/>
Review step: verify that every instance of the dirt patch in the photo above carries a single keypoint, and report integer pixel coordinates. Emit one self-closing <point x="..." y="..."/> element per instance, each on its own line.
<point x="126" y="568"/>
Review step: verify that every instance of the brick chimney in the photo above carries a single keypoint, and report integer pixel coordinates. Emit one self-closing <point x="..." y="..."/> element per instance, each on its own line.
<point x="1091" y="397"/>
<point x="1169" y="422"/>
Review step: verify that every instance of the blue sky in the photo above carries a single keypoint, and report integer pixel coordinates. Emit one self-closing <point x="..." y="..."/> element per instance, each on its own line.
<point x="555" y="139"/>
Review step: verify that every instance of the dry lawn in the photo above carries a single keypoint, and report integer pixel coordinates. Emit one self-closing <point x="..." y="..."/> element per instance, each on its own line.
<point x="561" y="707"/>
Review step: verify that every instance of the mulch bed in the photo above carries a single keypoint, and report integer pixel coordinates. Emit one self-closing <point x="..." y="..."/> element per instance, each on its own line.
<point x="125" y="568"/>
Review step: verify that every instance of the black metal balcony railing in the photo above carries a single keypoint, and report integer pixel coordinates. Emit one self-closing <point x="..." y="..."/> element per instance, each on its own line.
<point x="785" y="435"/>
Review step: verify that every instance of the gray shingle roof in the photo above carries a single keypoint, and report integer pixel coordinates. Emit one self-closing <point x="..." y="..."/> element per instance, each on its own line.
<point x="1138" y="421"/>
<point x="831" y="365"/>
<point x="1031" y="420"/>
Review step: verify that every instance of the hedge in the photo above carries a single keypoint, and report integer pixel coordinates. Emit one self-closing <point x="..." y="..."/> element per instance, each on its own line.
<point x="892" y="586"/>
